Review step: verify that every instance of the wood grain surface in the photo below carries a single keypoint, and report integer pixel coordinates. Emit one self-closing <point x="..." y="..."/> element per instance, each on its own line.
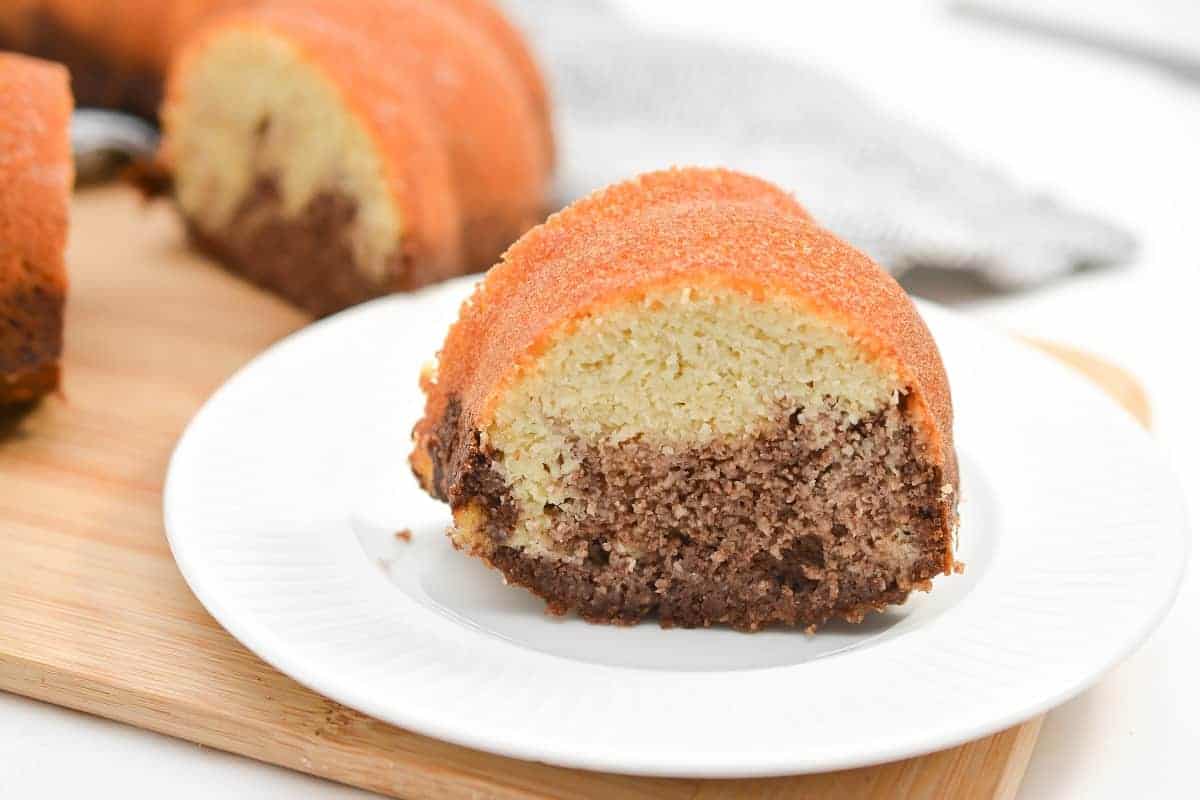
<point x="95" y="616"/>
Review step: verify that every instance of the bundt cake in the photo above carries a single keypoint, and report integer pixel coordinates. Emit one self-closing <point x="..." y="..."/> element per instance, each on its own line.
<point x="335" y="151"/>
<point x="36" y="174"/>
<point x="681" y="397"/>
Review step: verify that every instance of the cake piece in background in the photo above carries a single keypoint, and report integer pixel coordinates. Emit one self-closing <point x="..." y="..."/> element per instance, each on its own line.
<point x="334" y="152"/>
<point x="36" y="176"/>
<point x="118" y="51"/>
<point x="683" y="398"/>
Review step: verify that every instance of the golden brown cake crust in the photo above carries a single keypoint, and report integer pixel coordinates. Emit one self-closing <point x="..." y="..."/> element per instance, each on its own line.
<point x="687" y="226"/>
<point x="36" y="174"/>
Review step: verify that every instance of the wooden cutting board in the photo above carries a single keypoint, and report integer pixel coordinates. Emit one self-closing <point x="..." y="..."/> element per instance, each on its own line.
<point x="95" y="616"/>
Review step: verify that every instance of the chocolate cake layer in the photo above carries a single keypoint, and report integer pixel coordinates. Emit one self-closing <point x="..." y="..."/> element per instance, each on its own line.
<point x="31" y="323"/>
<point x="97" y="79"/>
<point x="814" y="519"/>
<point x="463" y="473"/>
<point x="307" y="258"/>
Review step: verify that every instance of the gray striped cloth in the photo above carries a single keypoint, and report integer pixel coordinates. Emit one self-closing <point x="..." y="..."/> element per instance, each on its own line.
<point x="628" y="100"/>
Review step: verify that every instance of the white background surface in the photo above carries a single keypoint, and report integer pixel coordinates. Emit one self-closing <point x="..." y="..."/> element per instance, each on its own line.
<point x="1110" y="135"/>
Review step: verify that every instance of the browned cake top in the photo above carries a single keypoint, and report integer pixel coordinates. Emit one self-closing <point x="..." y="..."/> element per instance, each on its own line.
<point x="36" y="173"/>
<point x="691" y="227"/>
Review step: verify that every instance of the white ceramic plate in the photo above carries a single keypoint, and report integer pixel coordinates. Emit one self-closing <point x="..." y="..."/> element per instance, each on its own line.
<point x="285" y="494"/>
